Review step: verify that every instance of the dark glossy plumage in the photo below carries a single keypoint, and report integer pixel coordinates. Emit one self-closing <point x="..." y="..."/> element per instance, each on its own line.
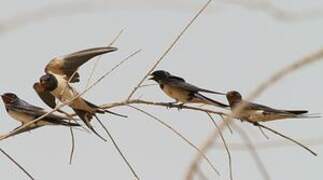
<point x="178" y="89"/>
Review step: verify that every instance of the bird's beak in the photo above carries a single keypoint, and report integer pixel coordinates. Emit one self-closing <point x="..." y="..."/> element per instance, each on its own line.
<point x="151" y="78"/>
<point x="42" y="82"/>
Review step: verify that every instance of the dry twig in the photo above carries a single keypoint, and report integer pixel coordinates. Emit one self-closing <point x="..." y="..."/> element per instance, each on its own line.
<point x="177" y="133"/>
<point x="278" y="13"/>
<point x="169" y="48"/>
<point x="225" y="145"/>
<point x="286" y="137"/>
<point x="274" y="144"/>
<point x="96" y="63"/>
<point x="119" y="150"/>
<point x="252" y="149"/>
<point x="17" y="164"/>
<point x="162" y="104"/>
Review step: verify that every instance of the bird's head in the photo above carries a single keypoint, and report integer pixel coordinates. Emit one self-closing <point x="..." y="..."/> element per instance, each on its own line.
<point x="9" y="98"/>
<point x="234" y="97"/>
<point x="48" y="82"/>
<point x="159" y="75"/>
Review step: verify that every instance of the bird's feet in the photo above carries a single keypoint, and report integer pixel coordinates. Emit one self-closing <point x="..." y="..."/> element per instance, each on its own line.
<point x="180" y="106"/>
<point x="171" y="105"/>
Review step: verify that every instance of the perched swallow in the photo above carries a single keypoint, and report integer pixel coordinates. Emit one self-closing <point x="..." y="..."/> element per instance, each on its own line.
<point x="55" y="84"/>
<point x="255" y="113"/>
<point x="176" y="88"/>
<point x="25" y="112"/>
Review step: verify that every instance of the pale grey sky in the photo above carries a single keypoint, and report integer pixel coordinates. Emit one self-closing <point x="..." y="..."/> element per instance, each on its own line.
<point x="226" y="34"/>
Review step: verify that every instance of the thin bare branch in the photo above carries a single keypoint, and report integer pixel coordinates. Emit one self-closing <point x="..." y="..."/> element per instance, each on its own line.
<point x="17" y="164"/>
<point x="177" y="133"/>
<point x="73" y="144"/>
<point x="225" y="145"/>
<point x="263" y="133"/>
<point x="309" y="59"/>
<point x="270" y="8"/>
<point x="194" y="166"/>
<point x="226" y="123"/>
<point x="275" y="144"/>
<point x="119" y="150"/>
<point x="252" y="149"/>
<point x="96" y="63"/>
<point x="169" y="48"/>
<point x="147" y="85"/>
<point x="286" y="137"/>
<point x="163" y="104"/>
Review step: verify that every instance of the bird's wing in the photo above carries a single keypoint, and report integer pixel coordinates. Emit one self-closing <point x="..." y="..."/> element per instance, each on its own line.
<point x="255" y="106"/>
<point x="69" y="64"/>
<point x="46" y="96"/>
<point x="180" y="83"/>
<point x="36" y="113"/>
<point x="25" y="107"/>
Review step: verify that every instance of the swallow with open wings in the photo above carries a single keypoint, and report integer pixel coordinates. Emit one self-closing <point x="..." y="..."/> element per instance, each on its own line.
<point x="61" y="71"/>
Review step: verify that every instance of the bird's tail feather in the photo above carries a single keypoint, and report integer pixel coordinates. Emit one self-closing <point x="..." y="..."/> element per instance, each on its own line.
<point x="66" y="123"/>
<point x="85" y="118"/>
<point x="210" y="101"/>
<point x="310" y="116"/>
<point x="102" y="111"/>
<point x="297" y="111"/>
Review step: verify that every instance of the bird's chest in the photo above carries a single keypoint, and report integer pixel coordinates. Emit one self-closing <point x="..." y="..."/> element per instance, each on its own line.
<point x="176" y="93"/>
<point x="63" y="91"/>
<point x="21" y="117"/>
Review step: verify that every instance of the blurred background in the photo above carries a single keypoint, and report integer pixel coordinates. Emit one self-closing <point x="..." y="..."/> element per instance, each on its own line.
<point x="235" y="44"/>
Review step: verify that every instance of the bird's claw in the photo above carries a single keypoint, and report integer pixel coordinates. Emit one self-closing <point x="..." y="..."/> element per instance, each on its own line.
<point x="180" y="106"/>
<point x="170" y="105"/>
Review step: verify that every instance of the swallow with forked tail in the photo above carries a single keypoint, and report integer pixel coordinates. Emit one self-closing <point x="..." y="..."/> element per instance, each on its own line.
<point x="55" y="84"/>
<point x="183" y="92"/>
<point x="24" y="112"/>
<point x="255" y="113"/>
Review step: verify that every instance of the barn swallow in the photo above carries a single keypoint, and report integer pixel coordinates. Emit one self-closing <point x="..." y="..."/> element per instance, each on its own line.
<point x="68" y="65"/>
<point x="24" y="112"/>
<point x="255" y="113"/>
<point x="55" y="84"/>
<point x="183" y="92"/>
